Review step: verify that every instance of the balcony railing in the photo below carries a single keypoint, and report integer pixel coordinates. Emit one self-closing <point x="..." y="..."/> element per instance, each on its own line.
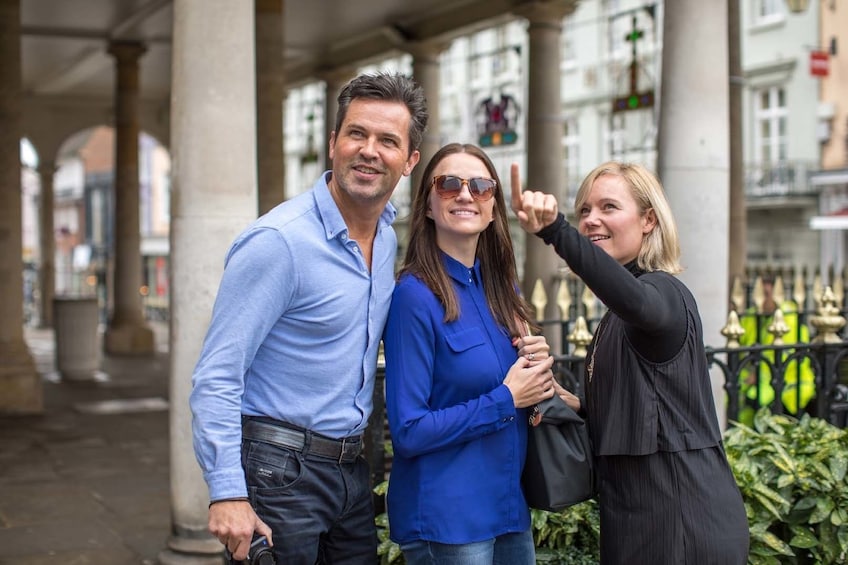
<point x="784" y="179"/>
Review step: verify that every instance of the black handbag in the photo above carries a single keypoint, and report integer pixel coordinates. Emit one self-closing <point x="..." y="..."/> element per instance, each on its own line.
<point x="559" y="470"/>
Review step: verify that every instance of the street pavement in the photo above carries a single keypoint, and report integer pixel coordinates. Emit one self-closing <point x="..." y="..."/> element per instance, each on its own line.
<point x="87" y="482"/>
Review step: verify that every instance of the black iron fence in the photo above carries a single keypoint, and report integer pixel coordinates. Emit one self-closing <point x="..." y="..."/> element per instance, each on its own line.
<point x="828" y="363"/>
<point x="791" y="375"/>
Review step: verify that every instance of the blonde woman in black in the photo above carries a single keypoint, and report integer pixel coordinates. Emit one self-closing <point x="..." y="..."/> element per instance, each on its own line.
<point x="666" y="491"/>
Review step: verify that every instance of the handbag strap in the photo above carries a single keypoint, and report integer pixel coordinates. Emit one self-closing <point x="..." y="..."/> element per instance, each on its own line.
<point x="534" y="417"/>
<point x="523" y="327"/>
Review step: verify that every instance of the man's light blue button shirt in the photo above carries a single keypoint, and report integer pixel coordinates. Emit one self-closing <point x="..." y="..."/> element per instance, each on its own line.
<point x="294" y="334"/>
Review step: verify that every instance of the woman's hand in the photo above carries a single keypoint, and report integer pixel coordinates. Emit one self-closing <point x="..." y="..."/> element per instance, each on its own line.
<point x="570" y="399"/>
<point x="534" y="347"/>
<point x="530" y="384"/>
<point x="535" y="210"/>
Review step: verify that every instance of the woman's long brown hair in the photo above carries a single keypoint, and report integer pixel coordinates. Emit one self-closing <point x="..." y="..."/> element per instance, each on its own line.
<point x="494" y="249"/>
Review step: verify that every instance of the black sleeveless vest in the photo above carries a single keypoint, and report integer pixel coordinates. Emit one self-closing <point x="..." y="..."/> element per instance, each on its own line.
<point x="638" y="407"/>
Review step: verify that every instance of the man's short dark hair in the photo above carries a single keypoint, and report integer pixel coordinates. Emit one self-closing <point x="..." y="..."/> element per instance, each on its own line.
<point x="389" y="87"/>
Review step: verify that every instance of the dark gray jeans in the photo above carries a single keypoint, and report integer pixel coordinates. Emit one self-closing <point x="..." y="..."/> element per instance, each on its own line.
<point x="320" y="511"/>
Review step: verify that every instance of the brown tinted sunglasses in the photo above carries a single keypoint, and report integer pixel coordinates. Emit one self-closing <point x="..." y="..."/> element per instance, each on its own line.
<point x="449" y="186"/>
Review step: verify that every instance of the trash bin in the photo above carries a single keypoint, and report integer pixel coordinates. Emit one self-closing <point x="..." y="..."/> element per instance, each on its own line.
<point x="75" y="328"/>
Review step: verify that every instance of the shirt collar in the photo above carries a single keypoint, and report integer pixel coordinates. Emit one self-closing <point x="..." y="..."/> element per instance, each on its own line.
<point x="459" y="272"/>
<point x="331" y="217"/>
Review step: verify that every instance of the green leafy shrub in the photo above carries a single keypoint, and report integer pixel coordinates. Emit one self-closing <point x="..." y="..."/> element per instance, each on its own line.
<point x="792" y="475"/>
<point x="388" y="550"/>
<point x="570" y="537"/>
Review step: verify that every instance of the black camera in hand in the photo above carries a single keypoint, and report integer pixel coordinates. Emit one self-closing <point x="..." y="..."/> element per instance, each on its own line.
<point x="260" y="553"/>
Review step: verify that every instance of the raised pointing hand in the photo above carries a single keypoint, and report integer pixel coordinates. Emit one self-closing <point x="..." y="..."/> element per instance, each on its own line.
<point x="534" y="210"/>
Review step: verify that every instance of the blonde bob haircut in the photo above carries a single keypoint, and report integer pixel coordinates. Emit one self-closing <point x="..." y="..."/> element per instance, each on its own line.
<point x="660" y="249"/>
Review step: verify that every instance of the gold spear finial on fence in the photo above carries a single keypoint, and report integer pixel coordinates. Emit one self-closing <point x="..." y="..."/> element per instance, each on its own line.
<point x="778" y="327"/>
<point x="733" y="330"/>
<point x="580" y="337"/>
<point x="758" y="295"/>
<point x="563" y="299"/>
<point x="539" y="299"/>
<point x="778" y="291"/>
<point x="737" y="294"/>
<point x="799" y="293"/>
<point x="827" y="321"/>
<point x="838" y="292"/>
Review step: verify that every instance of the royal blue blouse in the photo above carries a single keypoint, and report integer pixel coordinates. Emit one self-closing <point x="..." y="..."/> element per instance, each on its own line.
<point x="459" y="442"/>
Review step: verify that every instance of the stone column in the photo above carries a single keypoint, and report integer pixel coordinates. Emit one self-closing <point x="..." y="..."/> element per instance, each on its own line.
<point x="47" y="243"/>
<point x="213" y="198"/>
<point x="20" y="384"/>
<point x="127" y="332"/>
<point x="270" y="101"/>
<point x="738" y="230"/>
<point x="694" y="152"/>
<point x="544" y="170"/>
<point x="426" y="71"/>
<point x="334" y="81"/>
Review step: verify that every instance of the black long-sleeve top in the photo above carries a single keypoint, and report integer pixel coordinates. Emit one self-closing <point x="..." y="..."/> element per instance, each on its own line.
<point x="649" y="389"/>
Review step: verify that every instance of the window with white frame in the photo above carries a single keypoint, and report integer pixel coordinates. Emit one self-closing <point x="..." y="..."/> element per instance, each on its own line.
<point x="571" y="160"/>
<point x="770" y="118"/>
<point x="304" y="132"/>
<point x="500" y="56"/>
<point x="452" y="100"/>
<point x="567" y="43"/>
<point x="768" y="11"/>
<point x="480" y="44"/>
<point x="617" y="137"/>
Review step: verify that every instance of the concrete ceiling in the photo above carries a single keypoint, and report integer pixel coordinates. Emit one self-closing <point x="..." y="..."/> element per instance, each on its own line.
<point x="68" y="75"/>
<point x="64" y="43"/>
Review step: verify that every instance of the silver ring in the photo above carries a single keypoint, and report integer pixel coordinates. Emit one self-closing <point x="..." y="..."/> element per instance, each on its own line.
<point x="531" y="356"/>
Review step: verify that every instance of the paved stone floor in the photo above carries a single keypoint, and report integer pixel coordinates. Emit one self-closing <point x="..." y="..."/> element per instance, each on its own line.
<point x="87" y="482"/>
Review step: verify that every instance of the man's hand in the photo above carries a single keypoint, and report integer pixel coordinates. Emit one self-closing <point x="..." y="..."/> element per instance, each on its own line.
<point x="233" y="522"/>
<point x="535" y="210"/>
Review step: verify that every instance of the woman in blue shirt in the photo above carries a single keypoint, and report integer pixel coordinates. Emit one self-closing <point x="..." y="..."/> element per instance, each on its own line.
<point x="458" y="377"/>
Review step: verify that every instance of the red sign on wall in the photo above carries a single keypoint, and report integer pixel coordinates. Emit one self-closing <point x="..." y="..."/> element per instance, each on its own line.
<point x="819" y="65"/>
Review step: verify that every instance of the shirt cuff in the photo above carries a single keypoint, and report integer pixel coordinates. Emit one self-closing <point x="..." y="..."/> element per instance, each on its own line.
<point x="547" y="233"/>
<point x="226" y="485"/>
<point x="505" y="404"/>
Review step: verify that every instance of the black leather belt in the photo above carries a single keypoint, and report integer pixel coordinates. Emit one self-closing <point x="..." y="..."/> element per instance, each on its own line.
<point x="344" y="450"/>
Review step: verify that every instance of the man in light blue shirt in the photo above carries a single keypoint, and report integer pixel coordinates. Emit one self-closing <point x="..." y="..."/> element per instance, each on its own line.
<point x="282" y="390"/>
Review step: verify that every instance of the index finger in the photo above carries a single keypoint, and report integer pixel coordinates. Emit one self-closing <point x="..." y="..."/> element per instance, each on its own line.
<point x="515" y="184"/>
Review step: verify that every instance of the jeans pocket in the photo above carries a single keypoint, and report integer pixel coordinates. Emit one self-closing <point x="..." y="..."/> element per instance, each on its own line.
<point x="269" y="467"/>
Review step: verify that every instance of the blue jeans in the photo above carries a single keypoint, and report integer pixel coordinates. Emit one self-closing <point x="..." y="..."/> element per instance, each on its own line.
<point x="319" y="510"/>
<point x="506" y="549"/>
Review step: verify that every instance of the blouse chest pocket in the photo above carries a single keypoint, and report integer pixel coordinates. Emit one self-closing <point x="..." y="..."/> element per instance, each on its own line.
<point x="465" y="339"/>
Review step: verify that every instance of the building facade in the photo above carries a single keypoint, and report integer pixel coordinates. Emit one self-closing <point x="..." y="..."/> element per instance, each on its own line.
<point x="794" y="122"/>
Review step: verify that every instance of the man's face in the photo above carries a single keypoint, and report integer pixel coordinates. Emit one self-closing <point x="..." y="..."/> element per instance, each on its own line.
<point x="370" y="151"/>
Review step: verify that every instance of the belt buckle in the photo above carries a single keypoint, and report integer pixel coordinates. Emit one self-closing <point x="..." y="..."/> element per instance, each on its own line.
<point x="353" y="446"/>
<point x="342" y="450"/>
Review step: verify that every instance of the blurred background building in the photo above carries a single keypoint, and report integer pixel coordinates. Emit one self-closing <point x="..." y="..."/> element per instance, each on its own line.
<point x="793" y="131"/>
<point x="155" y="130"/>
